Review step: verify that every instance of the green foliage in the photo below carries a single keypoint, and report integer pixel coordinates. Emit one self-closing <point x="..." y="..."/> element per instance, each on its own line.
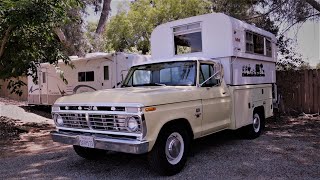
<point x="304" y="66"/>
<point x="130" y="31"/>
<point x="31" y="38"/>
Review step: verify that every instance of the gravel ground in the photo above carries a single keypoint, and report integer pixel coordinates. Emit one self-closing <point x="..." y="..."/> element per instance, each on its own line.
<point x="288" y="149"/>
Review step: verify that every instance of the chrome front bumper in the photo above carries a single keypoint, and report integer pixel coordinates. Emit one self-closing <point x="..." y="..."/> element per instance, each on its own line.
<point x="112" y="144"/>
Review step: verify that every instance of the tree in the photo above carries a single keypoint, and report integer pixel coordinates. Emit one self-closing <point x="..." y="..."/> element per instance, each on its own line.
<point x="289" y="13"/>
<point x="304" y="66"/>
<point x="132" y="30"/>
<point x="31" y="33"/>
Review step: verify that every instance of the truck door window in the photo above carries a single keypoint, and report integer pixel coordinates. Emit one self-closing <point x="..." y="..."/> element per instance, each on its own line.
<point x="206" y="71"/>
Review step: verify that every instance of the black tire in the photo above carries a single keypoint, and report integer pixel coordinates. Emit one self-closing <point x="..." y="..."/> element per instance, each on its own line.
<point x="254" y="130"/>
<point x="157" y="157"/>
<point x="89" y="153"/>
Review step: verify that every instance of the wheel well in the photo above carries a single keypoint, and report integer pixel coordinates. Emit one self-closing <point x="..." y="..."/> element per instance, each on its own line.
<point x="260" y="111"/>
<point x="180" y="122"/>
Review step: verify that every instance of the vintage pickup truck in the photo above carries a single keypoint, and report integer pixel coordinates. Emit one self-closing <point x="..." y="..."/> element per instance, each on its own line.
<point x="186" y="92"/>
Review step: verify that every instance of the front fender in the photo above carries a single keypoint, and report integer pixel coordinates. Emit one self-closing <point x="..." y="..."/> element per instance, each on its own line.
<point x="163" y="114"/>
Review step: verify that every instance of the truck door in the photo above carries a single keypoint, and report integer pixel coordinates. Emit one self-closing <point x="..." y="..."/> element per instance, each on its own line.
<point x="216" y="100"/>
<point x="43" y="83"/>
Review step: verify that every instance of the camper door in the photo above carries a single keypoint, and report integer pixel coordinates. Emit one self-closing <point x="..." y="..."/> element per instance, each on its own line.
<point x="105" y="75"/>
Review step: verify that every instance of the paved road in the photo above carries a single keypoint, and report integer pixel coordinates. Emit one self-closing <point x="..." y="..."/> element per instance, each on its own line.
<point x="289" y="150"/>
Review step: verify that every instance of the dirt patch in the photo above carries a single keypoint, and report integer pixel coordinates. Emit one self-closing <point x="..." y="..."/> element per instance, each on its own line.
<point x="9" y="128"/>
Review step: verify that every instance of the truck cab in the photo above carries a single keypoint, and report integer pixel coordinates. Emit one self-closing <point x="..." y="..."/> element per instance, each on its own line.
<point x="184" y="93"/>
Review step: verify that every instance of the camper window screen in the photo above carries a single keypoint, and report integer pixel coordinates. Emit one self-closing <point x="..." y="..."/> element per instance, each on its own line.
<point x="86" y="76"/>
<point x="188" y="43"/>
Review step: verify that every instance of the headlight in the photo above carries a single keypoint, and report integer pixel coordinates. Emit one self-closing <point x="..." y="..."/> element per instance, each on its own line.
<point x="132" y="124"/>
<point x="58" y="120"/>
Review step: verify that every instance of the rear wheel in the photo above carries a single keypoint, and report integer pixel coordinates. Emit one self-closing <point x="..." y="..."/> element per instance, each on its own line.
<point x="89" y="153"/>
<point x="169" y="154"/>
<point x="254" y="130"/>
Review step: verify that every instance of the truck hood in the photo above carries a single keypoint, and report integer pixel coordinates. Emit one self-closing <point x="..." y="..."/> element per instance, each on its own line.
<point x="146" y="96"/>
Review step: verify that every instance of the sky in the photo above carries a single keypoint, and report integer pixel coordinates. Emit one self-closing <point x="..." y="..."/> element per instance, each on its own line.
<point x="307" y="36"/>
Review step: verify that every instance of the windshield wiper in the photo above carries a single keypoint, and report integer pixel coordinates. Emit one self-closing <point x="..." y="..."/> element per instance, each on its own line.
<point x="151" y="84"/>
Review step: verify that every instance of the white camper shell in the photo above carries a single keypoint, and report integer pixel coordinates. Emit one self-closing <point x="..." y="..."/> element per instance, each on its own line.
<point x="247" y="53"/>
<point x="93" y="72"/>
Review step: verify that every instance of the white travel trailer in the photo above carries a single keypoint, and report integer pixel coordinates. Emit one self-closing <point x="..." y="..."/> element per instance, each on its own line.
<point x="93" y="72"/>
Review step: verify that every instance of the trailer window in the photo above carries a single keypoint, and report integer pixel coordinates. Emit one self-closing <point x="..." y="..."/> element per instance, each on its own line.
<point x="86" y="76"/>
<point x="44" y="78"/>
<point x="188" y="43"/>
<point x="106" y="72"/>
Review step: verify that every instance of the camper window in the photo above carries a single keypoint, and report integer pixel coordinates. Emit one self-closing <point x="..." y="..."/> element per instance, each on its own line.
<point x="268" y="48"/>
<point x="188" y="43"/>
<point x="86" y="76"/>
<point x="106" y="72"/>
<point x="258" y="44"/>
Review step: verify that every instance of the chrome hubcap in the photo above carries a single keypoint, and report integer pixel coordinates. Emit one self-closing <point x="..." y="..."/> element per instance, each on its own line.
<point x="256" y="123"/>
<point x="174" y="148"/>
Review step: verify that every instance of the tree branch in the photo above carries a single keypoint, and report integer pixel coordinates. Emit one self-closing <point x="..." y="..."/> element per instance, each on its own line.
<point x="60" y="35"/>
<point x="305" y="19"/>
<point x="265" y="14"/>
<point x="104" y="17"/>
<point x="314" y="4"/>
<point x="5" y="39"/>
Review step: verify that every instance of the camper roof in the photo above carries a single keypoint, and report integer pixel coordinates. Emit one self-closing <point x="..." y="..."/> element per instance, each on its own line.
<point x="185" y="58"/>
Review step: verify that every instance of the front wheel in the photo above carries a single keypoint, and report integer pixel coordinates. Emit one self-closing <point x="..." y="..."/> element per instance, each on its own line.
<point x="169" y="154"/>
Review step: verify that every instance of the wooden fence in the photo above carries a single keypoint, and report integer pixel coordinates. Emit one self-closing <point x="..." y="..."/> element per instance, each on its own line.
<point x="300" y="90"/>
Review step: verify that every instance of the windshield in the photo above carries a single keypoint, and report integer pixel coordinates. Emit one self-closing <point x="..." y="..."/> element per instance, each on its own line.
<point x="162" y="74"/>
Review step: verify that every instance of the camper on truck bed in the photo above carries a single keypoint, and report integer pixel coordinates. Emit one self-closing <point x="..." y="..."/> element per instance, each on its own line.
<point x="208" y="73"/>
<point x="93" y="72"/>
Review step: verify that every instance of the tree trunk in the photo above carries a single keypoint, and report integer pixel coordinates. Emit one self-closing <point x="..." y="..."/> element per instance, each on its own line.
<point x="314" y="4"/>
<point x="5" y="39"/>
<point x="104" y="17"/>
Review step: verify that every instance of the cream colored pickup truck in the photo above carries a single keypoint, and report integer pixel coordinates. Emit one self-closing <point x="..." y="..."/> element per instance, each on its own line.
<point x="160" y="109"/>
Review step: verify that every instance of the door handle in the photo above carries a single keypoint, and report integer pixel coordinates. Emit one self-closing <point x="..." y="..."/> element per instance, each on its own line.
<point x="224" y="93"/>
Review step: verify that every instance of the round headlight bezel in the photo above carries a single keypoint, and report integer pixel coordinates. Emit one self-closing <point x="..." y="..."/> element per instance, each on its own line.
<point x="132" y="124"/>
<point x="58" y="120"/>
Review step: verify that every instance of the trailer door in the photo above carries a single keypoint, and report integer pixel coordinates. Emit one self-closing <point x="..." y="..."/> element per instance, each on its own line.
<point x="105" y="75"/>
<point x="43" y="83"/>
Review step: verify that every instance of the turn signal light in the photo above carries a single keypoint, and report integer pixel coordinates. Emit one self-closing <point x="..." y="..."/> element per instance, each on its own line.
<point x="148" y="109"/>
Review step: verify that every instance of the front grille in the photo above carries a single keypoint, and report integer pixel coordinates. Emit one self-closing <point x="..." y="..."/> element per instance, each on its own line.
<point x="107" y="122"/>
<point x="75" y="121"/>
<point x="101" y="122"/>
